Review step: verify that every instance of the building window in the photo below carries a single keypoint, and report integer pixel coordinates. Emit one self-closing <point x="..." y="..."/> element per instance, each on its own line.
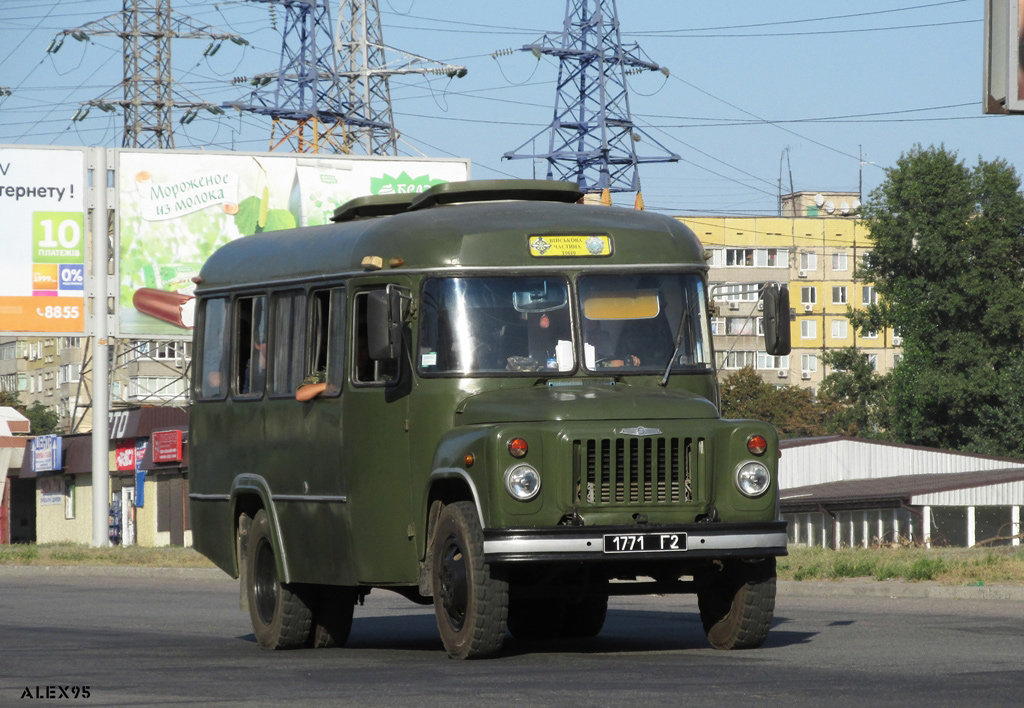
<point x="735" y="360"/>
<point x="870" y="334"/>
<point x="739" y="326"/>
<point x="718" y="325"/>
<point x="739" y="257"/>
<point x="737" y="292"/>
<point x="162" y="388"/>
<point x="839" y="260"/>
<point x="765" y="361"/>
<point x="808" y="260"/>
<point x="808" y="362"/>
<point x="896" y="359"/>
<point x="873" y="360"/>
<point x="69" y="373"/>
<point x="868" y="296"/>
<point x="808" y="295"/>
<point x="840" y="329"/>
<point x="808" y="329"/>
<point x="715" y="260"/>
<point x="839" y="295"/>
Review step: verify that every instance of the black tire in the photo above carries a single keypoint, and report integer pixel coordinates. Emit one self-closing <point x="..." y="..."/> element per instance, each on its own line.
<point x="533" y="619"/>
<point x="585" y="617"/>
<point x="470" y="602"/>
<point x="332" y="617"/>
<point x="281" y="619"/>
<point x="737" y="603"/>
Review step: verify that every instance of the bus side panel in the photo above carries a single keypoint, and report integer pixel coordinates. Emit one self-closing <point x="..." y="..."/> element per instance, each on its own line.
<point x="210" y="481"/>
<point x="301" y="453"/>
<point x="213" y="533"/>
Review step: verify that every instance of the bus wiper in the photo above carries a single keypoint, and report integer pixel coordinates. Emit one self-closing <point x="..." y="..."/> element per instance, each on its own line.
<point x="683" y="322"/>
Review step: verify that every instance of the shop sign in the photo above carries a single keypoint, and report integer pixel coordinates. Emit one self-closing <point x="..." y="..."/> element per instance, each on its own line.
<point x="125" y="456"/>
<point x="46" y="454"/>
<point x="166" y="446"/>
<point x="50" y="491"/>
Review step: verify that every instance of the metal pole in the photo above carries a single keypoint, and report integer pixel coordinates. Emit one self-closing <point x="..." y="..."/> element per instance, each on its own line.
<point x="100" y="384"/>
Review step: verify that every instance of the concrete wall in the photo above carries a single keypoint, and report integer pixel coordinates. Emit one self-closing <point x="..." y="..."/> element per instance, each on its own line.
<point x="52" y="526"/>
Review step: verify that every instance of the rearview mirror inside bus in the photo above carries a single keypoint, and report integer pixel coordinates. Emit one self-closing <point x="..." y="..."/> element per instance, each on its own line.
<point x="776" y="319"/>
<point x="384" y="324"/>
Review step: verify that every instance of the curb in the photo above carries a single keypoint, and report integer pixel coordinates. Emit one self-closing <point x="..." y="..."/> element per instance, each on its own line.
<point x="110" y="571"/>
<point x="899" y="590"/>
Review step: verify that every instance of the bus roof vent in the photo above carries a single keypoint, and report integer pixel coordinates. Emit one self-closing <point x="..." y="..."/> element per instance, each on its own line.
<point x="371" y="206"/>
<point x="491" y="190"/>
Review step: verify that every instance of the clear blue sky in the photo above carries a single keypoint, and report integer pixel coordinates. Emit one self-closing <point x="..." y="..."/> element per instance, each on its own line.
<point x="822" y="81"/>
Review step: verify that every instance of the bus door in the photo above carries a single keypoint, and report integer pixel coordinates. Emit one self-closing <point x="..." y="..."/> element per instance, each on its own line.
<point x="376" y="448"/>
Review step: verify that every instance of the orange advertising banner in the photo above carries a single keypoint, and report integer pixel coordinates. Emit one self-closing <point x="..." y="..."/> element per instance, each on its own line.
<point x="42" y="314"/>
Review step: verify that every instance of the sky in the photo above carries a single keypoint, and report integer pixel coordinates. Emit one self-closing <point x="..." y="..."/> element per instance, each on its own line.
<point x="809" y="96"/>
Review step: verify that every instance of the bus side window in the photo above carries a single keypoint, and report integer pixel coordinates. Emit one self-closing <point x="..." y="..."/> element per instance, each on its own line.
<point x="250" y="345"/>
<point x="287" y="361"/>
<point x="365" y="370"/>
<point x="327" y="339"/>
<point x="214" y="330"/>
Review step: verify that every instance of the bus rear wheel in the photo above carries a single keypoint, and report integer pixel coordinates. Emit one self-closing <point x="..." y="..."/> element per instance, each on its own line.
<point x="470" y="602"/>
<point x="281" y="619"/>
<point x="737" y="603"/>
<point x="332" y="617"/>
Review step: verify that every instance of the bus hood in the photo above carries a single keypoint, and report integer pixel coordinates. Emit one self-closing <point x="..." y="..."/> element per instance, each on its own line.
<point x="583" y="402"/>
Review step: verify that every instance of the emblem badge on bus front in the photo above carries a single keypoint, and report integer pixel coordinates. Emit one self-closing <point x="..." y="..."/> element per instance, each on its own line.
<point x="640" y="430"/>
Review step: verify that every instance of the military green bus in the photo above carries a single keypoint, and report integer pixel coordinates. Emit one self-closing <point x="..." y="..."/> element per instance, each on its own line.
<point x="489" y="397"/>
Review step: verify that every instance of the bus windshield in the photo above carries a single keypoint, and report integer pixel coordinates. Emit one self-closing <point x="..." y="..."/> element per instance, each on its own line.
<point x="495" y="325"/>
<point x="631" y="322"/>
<point x="521" y="325"/>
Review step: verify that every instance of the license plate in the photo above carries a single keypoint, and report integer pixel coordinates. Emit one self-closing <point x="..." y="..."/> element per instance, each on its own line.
<point x="647" y="542"/>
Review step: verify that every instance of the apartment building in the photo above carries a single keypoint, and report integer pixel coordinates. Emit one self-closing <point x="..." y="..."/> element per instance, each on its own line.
<point x="817" y="254"/>
<point x="56" y="371"/>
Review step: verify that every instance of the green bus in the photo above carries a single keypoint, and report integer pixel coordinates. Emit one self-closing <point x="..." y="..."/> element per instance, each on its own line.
<point x="488" y="397"/>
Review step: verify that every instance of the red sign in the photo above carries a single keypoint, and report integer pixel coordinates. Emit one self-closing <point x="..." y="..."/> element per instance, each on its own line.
<point x="166" y="446"/>
<point x="126" y="456"/>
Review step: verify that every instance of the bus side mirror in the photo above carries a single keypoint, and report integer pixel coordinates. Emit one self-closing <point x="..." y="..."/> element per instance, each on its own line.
<point x="776" y="319"/>
<point x="384" y="324"/>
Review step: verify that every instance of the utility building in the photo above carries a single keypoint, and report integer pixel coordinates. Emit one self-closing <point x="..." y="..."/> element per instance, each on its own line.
<point x="843" y="492"/>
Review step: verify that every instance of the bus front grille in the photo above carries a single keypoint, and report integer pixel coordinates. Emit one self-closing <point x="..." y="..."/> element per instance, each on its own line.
<point x="632" y="470"/>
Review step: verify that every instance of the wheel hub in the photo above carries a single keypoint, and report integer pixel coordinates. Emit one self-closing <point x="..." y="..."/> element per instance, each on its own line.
<point x="454" y="588"/>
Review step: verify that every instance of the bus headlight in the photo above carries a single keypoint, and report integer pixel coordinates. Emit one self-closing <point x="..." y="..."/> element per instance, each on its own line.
<point x="522" y="482"/>
<point x="753" y="479"/>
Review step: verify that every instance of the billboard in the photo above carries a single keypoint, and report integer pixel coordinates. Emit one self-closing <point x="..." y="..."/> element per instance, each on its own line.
<point x="43" y="241"/>
<point x="177" y="208"/>
<point x="1003" y="70"/>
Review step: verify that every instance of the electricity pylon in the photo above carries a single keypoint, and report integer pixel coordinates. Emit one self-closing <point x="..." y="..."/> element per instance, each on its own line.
<point x="592" y="136"/>
<point x="331" y="90"/>
<point x="146" y="28"/>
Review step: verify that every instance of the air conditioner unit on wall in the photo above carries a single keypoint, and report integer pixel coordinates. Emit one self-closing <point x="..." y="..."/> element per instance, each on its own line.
<point x="897" y="341"/>
<point x="808" y="307"/>
<point x="805" y="375"/>
<point x="801" y="274"/>
<point x="733" y="305"/>
<point x="760" y="305"/>
<point x="783" y="373"/>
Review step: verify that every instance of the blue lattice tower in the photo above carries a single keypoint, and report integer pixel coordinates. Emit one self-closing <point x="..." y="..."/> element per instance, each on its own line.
<point x="592" y="136"/>
<point x="303" y="97"/>
<point x="149" y="95"/>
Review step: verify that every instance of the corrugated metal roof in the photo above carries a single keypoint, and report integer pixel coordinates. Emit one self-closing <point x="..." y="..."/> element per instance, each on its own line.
<point x="890" y="491"/>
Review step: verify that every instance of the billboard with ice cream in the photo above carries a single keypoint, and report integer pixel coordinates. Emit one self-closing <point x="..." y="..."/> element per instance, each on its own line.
<point x="176" y="208"/>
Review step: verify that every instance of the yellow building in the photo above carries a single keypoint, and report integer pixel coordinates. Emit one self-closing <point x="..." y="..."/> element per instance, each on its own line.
<point x="817" y="256"/>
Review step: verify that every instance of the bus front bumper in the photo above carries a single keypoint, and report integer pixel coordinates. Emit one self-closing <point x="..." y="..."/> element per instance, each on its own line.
<point x="661" y="542"/>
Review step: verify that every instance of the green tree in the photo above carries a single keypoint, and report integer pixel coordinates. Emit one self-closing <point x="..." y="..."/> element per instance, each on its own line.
<point x="948" y="264"/>
<point x="852" y="397"/>
<point x="42" y="419"/>
<point x="790" y="409"/>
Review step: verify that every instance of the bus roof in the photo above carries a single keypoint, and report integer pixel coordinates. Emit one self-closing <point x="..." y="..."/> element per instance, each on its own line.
<point x="463" y="225"/>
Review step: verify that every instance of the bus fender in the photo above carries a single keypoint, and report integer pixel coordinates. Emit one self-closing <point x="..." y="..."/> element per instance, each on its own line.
<point x="255" y="485"/>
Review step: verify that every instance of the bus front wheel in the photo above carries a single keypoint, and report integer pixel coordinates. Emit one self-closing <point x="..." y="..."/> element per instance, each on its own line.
<point x="737" y="602"/>
<point x="281" y="619"/>
<point x="470" y="602"/>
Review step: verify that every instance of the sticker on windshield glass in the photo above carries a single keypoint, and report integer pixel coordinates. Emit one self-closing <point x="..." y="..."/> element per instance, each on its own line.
<point x="567" y="245"/>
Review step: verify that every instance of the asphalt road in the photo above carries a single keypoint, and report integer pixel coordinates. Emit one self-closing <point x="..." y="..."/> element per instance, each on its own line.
<point x="167" y="639"/>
